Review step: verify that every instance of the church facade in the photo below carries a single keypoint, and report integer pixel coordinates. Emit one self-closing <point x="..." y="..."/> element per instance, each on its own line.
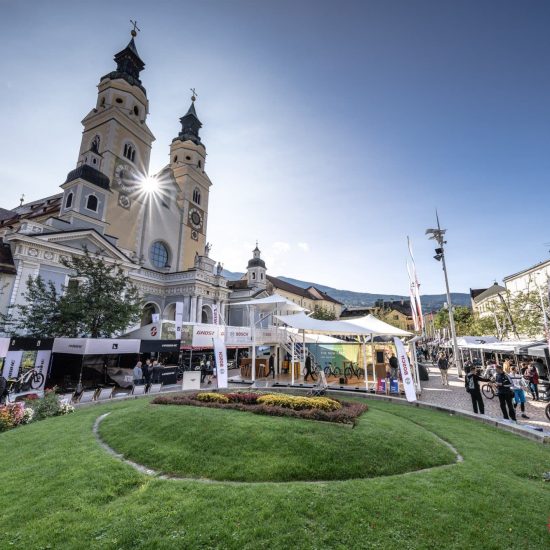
<point x="153" y="226"/>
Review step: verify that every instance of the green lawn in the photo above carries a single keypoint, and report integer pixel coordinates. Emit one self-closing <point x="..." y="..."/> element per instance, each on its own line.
<point x="61" y="490"/>
<point x="234" y="445"/>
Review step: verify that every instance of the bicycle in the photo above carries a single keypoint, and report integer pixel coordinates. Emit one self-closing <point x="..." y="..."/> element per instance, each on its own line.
<point x="32" y="379"/>
<point x="354" y="370"/>
<point x="489" y="389"/>
<point x="331" y="370"/>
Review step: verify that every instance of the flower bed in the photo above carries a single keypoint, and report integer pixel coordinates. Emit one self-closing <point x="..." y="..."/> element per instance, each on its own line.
<point x="310" y="408"/>
<point x="31" y="409"/>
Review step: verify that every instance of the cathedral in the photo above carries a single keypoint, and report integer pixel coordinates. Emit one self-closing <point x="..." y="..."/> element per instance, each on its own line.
<point x="154" y="227"/>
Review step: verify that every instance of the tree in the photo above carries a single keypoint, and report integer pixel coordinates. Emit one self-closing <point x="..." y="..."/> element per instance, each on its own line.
<point x="100" y="301"/>
<point x="463" y="320"/>
<point x="322" y="313"/>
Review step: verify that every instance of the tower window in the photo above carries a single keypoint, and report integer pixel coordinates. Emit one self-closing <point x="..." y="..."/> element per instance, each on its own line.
<point x="196" y="196"/>
<point x="69" y="201"/>
<point x="158" y="254"/>
<point x="261" y="275"/>
<point x="94" y="147"/>
<point x="187" y="157"/>
<point x="130" y="152"/>
<point x="136" y="110"/>
<point x="176" y="158"/>
<point x="103" y="102"/>
<point x="92" y="203"/>
<point x="199" y="164"/>
<point x="119" y="100"/>
<point x="253" y="275"/>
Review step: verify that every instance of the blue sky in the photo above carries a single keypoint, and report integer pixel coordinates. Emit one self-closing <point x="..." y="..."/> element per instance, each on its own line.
<point x="333" y="130"/>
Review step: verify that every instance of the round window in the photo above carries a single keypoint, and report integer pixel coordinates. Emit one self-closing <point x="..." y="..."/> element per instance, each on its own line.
<point x="159" y="254"/>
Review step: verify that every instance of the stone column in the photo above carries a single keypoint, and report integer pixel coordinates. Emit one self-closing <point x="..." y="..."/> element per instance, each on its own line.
<point x="186" y="308"/>
<point x="193" y="314"/>
<point x="199" y="309"/>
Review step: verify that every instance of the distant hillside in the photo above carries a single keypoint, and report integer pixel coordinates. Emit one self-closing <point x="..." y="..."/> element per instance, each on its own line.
<point x="430" y="302"/>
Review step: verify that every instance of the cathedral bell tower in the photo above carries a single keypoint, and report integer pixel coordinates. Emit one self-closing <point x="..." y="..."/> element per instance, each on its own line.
<point x="256" y="270"/>
<point x="115" y="148"/>
<point x="187" y="160"/>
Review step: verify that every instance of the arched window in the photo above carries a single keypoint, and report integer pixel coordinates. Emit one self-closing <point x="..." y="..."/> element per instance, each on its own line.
<point x="253" y="275"/>
<point x="196" y="196"/>
<point x="199" y="164"/>
<point x="130" y="152"/>
<point x="158" y="254"/>
<point x="69" y="201"/>
<point x="91" y="203"/>
<point x="103" y="102"/>
<point x="95" y="145"/>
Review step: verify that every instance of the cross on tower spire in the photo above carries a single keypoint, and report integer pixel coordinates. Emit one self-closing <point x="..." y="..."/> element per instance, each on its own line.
<point x="136" y="28"/>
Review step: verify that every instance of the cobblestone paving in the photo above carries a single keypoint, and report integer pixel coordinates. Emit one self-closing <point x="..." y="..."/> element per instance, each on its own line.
<point x="456" y="397"/>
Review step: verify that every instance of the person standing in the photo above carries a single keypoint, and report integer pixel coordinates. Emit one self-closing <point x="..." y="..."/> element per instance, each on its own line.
<point x="471" y="381"/>
<point x="308" y="369"/>
<point x="138" y="374"/>
<point x="394" y="366"/>
<point x="147" y="372"/>
<point x="505" y="394"/>
<point x="532" y="376"/>
<point x="271" y="366"/>
<point x="443" y="366"/>
<point x="519" y="394"/>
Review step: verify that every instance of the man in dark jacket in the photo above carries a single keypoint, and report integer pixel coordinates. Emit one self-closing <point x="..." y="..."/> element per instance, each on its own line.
<point x="394" y="366"/>
<point x="308" y="369"/>
<point x="505" y="393"/>
<point x="471" y="383"/>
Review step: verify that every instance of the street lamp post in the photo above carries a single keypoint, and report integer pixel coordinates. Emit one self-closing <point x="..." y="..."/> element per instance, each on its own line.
<point x="438" y="235"/>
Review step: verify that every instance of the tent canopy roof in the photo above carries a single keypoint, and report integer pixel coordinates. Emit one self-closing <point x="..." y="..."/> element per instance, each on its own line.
<point x="376" y="326"/>
<point x="301" y="321"/>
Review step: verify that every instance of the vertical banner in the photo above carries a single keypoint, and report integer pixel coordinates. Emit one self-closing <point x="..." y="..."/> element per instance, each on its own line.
<point x="215" y="315"/>
<point x="220" y="352"/>
<point x="41" y="364"/>
<point x="12" y="364"/>
<point x="179" y="319"/>
<point x="405" y="367"/>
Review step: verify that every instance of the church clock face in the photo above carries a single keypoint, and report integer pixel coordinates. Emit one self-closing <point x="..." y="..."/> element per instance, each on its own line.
<point x="125" y="178"/>
<point x="124" y="201"/>
<point x="195" y="219"/>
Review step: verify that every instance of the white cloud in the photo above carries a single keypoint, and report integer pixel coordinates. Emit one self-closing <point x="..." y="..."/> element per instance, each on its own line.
<point x="280" y="247"/>
<point x="304" y="246"/>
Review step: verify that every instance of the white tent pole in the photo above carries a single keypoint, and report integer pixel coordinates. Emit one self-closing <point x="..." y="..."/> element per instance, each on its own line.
<point x="292" y="361"/>
<point x="364" y="350"/>
<point x="253" y="334"/>
<point x="303" y="350"/>
<point x="373" y="360"/>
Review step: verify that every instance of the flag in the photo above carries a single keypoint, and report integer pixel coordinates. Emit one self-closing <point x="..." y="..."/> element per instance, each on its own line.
<point x="406" y="371"/>
<point x="220" y="353"/>
<point x="179" y="319"/>
<point x="415" y="292"/>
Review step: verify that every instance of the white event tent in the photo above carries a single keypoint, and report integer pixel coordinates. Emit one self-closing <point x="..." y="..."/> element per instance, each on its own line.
<point x="360" y="327"/>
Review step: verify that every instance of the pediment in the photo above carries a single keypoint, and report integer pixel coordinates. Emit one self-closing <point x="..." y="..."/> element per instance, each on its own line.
<point x="85" y="239"/>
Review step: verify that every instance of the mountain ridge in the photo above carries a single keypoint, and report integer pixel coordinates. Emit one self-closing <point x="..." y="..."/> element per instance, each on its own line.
<point x="351" y="298"/>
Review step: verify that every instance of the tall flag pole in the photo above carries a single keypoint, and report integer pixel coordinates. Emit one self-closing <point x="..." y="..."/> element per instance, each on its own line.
<point x="415" y="292"/>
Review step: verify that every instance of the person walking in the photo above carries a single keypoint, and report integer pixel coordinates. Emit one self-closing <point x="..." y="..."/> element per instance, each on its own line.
<point x="443" y="366"/>
<point x="308" y="369"/>
<point x="532" y="376"/>
<point x="138" y="374"/>
<point x="519" y="394"/>
<point x="505" y="394"/>
<point x="471" y="382"/>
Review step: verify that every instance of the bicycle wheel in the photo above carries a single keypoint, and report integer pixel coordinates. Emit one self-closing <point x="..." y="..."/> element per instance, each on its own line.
<point x="348" y="372"/>
<point x="488" y="391"/>
<point x="327" y="371"/>
<point x="37" y="380"/>
<point x="547" y="411"/>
